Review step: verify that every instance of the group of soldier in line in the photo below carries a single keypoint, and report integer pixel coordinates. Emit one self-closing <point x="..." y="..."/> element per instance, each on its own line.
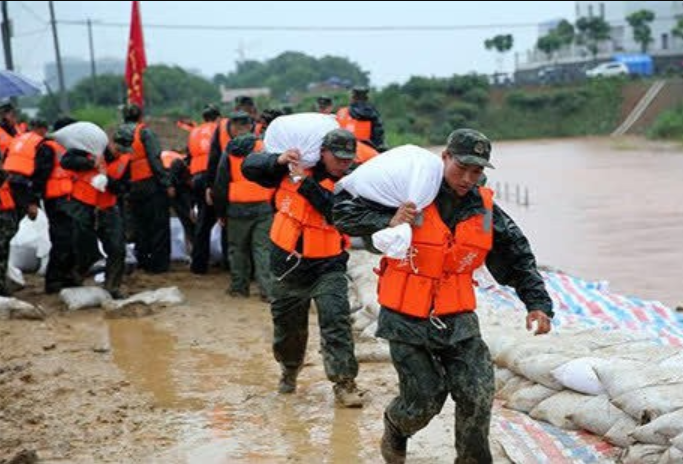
<point x="286" y="228"/>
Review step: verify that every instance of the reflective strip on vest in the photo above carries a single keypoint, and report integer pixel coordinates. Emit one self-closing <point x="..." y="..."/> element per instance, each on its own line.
<point x="6" y="199"/>
<point x="361" y="129"/>
<point x="437" y="274"/>
<point x="199" y="146"/>
<point x="242" y="190"/>
<point x="168" y="157"/>
<point x="60" y="182"/>
<point x="139" y="164"/>
<point x="297" y="219"/>
<point x="21" y="156"/>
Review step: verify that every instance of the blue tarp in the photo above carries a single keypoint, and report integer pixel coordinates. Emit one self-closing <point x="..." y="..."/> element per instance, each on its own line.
<point x="638" y="64"/>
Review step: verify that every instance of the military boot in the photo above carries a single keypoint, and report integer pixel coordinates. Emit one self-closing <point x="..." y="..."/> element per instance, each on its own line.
<point x="347" y="394"/>
<point x="394" y="444"/>
<point x="288" y="380"/>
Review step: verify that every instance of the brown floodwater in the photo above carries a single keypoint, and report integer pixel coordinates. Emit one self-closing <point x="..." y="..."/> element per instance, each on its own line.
<point x="600" y="208"/>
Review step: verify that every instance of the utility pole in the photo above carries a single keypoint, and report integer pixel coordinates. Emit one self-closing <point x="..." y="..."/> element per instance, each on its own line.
<point x="63" y="97"/>
<point x="7" y="37"/>
<point x="93" y="69"/>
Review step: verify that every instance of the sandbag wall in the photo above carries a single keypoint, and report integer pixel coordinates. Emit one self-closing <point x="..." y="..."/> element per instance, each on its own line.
<point x="620" y="385"/>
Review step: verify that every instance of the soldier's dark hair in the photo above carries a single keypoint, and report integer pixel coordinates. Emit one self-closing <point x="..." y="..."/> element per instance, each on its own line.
<point x="131" y="113"/>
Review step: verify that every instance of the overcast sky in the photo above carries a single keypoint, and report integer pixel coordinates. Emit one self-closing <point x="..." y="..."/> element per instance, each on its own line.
<point x="389" y="56"/>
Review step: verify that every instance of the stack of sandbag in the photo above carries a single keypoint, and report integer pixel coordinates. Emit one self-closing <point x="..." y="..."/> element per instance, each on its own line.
<point x="617" y="384"/>
<point x="402" y="174"/>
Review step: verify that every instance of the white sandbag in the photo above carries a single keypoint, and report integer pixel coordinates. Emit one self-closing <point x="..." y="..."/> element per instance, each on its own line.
<point x="30" y="246"/>
<point x="499" y="342"/>
<point x="644" y="351"/>
<point x="625" y="376"/>
<point x="648" y="403"/>
<point x="678" y="442"/>
<point x="15" y="275"/>
<point x="84" y="136"/>
<point x="620" y="433"/>
<point x="671" y="456"/>
<point x="675" y="361"/>
<point x="598" y="415"/>
<point x="216" y="248"/>
<point x="83" y="297"/>
<point x="369" y="332"/>
<point x="374" y="352"/>
<point x="361" y="319"/>
<point x="661" y="430"/>
<point x="513" y="385"/>
<point x="402" y="174"/>
<point x="642" y="454"/>
<point x="502" y="376"/>
<point x="13" y="308"/>
<point x="301" y="131"/>
<point x="179" y="251"/>
<point x="526" y="399"/>
<point x="538" y="368"/>
<point x="162" y="297"/>
<point x="579" y="375"/>
<point x="539" y="345"/>
<point x="557" y="409"/>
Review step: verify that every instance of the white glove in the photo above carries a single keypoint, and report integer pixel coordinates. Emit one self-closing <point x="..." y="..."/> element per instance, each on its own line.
<point x="99" y="182"/>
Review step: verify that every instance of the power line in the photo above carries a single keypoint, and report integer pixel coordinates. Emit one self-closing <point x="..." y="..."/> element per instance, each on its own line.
<point x="33" y="13"/>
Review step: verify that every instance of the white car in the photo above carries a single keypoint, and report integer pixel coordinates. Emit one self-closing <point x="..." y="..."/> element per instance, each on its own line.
<point x="611" y="68"/>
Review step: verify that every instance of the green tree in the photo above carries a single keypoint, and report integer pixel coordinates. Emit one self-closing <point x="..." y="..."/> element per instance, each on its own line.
<point x="501" y="43"/>
<point x="591" y="32"/>
<point x="677" y="31"/>
<point x="565" y="32"/>
<point x="549" y="44"/>
<point x="292" y="72"/>
<point x="640" y="23"/>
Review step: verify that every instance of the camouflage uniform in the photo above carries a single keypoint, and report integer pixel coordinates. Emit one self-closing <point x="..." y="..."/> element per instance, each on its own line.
<point x="8" y="227"/>
<point x="433" y="362"/>
<point x="248" y="226"/>
<point x="322" y="280"/>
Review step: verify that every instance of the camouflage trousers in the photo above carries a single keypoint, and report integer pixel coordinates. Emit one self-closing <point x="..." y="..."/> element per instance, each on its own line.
<point x="290" y="309"/>
<point x="8" y="227"/>
<point x="428" y="374"/>
<point x="249" y="242"/>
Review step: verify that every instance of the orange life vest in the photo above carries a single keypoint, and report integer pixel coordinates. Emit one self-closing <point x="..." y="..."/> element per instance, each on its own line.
<point x="242" y="190"/>
<point x="84" y="192"/>
<point x="60" y="182"/>
<point x="436" y="278"/>
<point x="364" y="152"/>
<point x="168" y="157"/>
<point x="199" y="146"/>
<point x="296" y="218"/>
<point x="223" y="134"/>
<point x="21" y="156"/>
<point x="361" y="129"/>
<point x="139" y="164"/>
<point x="6" y="200"/>
<point x="5" y="140"/>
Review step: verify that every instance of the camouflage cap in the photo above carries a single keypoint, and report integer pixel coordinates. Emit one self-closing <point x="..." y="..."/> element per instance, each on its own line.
<point x="360" y="89"/>
<point x="240" y="117"/>
<point x="324" y="100"/>
<point x="469" y="146"/>
<point x="341" y="143"/>
<point x="123" y="138"/>
<point x="244" y="100"/>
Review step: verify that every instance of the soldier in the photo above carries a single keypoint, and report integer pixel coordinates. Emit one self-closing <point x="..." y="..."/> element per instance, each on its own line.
<point x="149" y="195"/>
<point x="94" y="209"/>
<point x="324" y="104"/>
<point x="362" y="119"/>
<point x="245" y="208"/>
<point x="8" y="227"/>
<point x="428" y="305"/>
<point x="309" y="261"/>
<point x="8" y="126"/>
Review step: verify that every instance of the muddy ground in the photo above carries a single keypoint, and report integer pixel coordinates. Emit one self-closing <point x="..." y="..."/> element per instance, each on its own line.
<point x="191" y="383"/>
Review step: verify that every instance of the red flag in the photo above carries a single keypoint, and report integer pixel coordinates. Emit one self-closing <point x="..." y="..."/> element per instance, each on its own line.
<point x="136" y="62"/>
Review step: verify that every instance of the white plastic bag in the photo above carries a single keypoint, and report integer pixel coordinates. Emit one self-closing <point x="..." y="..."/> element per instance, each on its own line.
<point x="579" y="375"/>
<point x="84" y="136"/>
<point x="99" y="182"/>
<point x="402" y="174"/>
<point x="30" y="246"/>
<point x="301" y="131"/>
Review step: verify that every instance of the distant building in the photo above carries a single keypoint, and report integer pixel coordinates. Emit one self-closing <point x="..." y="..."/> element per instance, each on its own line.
<point x="228" y="95"/>
<point x="76" y="69"/>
